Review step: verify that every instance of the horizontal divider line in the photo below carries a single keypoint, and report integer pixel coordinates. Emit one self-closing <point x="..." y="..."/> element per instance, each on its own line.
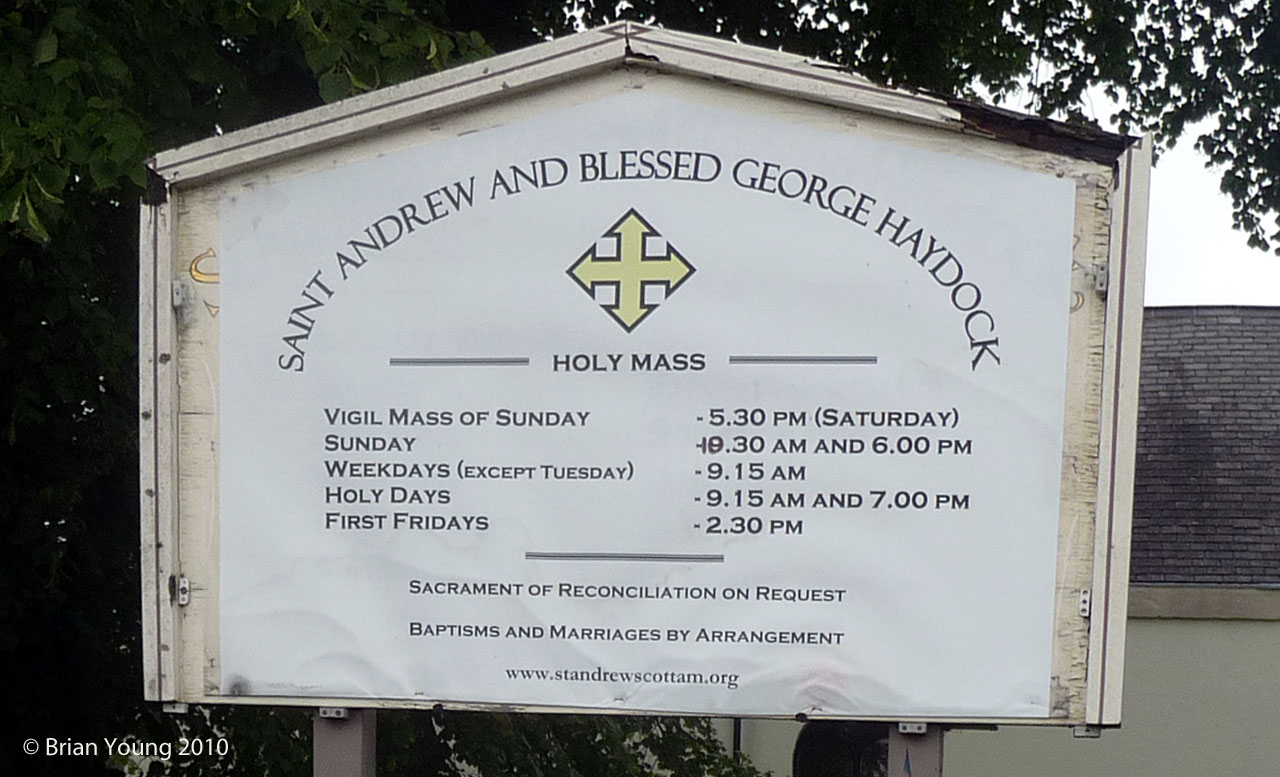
<point x="461" y="361"/>
<point x="673" y="558"/>
<point x="861" y="360"/>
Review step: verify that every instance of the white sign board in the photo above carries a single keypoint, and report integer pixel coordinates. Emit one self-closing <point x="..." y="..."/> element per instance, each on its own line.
<point x="645" y="404"/>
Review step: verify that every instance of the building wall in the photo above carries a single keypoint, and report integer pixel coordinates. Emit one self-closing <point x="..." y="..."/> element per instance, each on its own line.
<point x="1201" y="699"/>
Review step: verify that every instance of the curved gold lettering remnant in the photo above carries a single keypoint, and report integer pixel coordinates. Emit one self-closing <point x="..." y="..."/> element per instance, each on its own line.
<point x="200" y="276"/>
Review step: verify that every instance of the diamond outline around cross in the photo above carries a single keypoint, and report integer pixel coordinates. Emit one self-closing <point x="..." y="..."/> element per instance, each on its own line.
<point x="630" y="271"/>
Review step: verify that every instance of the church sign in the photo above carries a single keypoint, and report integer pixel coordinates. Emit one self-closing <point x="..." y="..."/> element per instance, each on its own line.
<point x="705" y="381"/>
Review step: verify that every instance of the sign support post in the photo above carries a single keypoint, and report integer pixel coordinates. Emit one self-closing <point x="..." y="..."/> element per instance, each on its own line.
<point x="915" y="750"/>
<point x="344" y="743"/>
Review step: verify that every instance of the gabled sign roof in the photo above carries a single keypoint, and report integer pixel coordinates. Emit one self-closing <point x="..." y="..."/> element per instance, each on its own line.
<point x="607" y="47"/>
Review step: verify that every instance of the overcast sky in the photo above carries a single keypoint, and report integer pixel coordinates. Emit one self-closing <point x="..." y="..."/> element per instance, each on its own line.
<point x="1194" y="257"/>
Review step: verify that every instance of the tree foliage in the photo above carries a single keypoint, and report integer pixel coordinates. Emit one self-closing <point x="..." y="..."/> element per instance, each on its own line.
<point x="90" y="88"/>
<point x="1218" y="61"/>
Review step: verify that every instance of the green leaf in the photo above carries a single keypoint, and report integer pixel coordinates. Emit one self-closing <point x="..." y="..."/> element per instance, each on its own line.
<point x="123" y="150"/>
<point x="138" y="174"/>
<point x="419" y="36"/>
<point x="48" y="195"/>
<point x="308" y="23"/>
<point x="62" y="69"/>
<point x="115" y="69"/>
<point x="33" y="220"/>
<point x="334" y="86"/>
<point x="323" y="57"/>
<point x="46" y="48"/>
<point x="364" y="84"/>
<point x="12" y="204"/>
<point x="102" y="173"/>
<point x="397" y="70"/>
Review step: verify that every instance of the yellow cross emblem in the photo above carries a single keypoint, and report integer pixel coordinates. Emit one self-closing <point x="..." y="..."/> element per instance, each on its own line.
<point x="624" y="266"/>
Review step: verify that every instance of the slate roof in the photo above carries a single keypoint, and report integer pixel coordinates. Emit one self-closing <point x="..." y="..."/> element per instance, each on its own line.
<point x="1207" y="479"/>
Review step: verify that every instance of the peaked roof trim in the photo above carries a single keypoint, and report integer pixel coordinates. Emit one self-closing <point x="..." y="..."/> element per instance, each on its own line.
<point x="540" y="65"/>
<point x="385" y="108"/>
<point x="789" y="74"/>
<point x="586" y="52"/>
